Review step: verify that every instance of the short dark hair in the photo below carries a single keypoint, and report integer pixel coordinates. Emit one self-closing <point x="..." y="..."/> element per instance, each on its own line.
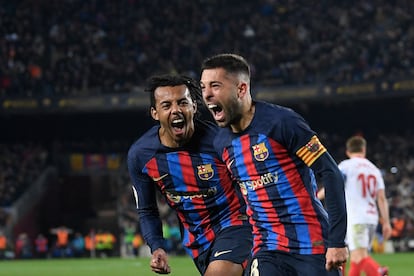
<point x="193" y="86"/>
<point x="232" y="63"/>
<point x="356" y="144"/>
<point x="173" y="80"/>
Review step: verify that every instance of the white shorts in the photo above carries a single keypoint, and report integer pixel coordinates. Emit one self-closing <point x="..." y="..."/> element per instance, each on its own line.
<point x="360" y="236"/>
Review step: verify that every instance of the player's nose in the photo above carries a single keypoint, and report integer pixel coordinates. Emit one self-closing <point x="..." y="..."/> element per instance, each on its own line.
<point x="175" y="108"/>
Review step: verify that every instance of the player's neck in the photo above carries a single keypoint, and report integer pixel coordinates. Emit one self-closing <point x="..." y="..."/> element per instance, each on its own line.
<point x="170" y="142"/>
<point x="357" y="155"/>
<point x="245" y="119"/>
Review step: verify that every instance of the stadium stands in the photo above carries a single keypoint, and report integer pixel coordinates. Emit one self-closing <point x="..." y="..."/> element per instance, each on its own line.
<point x="96" y="47"/>
<point x="20" y="165"/>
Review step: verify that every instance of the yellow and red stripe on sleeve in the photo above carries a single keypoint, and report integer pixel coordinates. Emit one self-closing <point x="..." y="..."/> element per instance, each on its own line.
<point x="311" y="151"/>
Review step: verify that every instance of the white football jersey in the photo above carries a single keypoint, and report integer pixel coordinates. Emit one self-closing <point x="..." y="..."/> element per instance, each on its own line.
<point x="362" y="182"/>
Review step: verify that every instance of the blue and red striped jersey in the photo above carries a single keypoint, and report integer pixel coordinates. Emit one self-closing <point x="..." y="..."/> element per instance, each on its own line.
<point x="272" y="160"/>
<point x="195" y="183"/>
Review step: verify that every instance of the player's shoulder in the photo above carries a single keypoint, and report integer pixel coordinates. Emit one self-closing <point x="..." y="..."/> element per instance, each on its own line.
<point x="280" y="123"/>
<point x="271" y="107"/>
<point x="373" y="166"/>
<point x="280" y="109"/>
<point x="344" y="164"/>
<point x="214" y="136"/>
<point x="147" y="142"/>
<point x="358" y="162"/>
<point x="205" y="132"/>
<point x="266" y="110"/>
<point x="205" y="126"/>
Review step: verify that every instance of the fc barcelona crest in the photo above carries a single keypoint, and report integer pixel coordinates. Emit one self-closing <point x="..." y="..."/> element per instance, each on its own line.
<point x="205" y="171"/>
<point x="313" y="145"/>
<point x="260" y="152"/>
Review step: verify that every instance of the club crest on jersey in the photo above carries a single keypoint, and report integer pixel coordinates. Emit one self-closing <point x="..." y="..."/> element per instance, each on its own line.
<point x="205" y="171"/>
<point x="260" y="152"/>
<point x="313" y="145"/>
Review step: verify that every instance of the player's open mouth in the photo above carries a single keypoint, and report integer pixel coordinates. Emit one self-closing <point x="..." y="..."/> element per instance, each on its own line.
<point x="215" y="108"/>
<point x="217" y="111"/>
<point x="178" y="124"/>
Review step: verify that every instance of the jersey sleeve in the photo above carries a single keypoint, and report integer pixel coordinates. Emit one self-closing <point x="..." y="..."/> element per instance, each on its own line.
<point x="380" y="179"/>
<point x="325" y="167"/>
<point x="145" y="199"/>
<point x="303" y="141"/>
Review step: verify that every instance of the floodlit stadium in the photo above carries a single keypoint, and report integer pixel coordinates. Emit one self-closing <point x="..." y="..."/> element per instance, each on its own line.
<point x="72" y="101"/>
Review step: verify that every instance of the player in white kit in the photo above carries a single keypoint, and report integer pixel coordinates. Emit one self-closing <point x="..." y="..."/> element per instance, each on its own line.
<point x="365" y="195"/>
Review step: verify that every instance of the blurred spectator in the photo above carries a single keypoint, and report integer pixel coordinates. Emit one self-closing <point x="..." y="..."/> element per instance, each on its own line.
<point x="3" y="245"/>
<point x="137" y="242"/>
<point x="78" y="245"/>
<point x="175" y="237"/>
<point x="41" y="246"/>
<point x="109" y="242"/>
<point x="61" y="248"/>
<point x="105" y="242"/>
<point x="90" y="244"/>
<point x="128" y="239"/>
<point x="23" y="247"/>
<point x="99" y="242"/>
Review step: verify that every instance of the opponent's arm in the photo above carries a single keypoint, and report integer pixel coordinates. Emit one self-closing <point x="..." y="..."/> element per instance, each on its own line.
<point x="383" y="208"/>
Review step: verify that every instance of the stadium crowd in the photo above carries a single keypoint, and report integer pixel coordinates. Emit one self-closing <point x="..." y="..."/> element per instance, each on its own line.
<point x="20" y="165"/>
<point x="75" y="48"/>
<point x="62" y="242"/>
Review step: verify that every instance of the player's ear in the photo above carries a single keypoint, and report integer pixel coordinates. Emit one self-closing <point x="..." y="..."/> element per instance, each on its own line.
<point x="242" y="89"/>
<point x="195" y="106"/>
<point x="154" y="114"/>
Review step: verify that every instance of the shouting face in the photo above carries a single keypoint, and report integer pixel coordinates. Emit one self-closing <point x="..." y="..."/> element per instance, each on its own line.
<point x="221" y="93"/>
<point x="175" y="110"/>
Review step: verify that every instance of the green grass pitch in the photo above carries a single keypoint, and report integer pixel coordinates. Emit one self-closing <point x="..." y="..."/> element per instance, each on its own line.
<point x="182" y="266"/>
<point x="400" y="264"/>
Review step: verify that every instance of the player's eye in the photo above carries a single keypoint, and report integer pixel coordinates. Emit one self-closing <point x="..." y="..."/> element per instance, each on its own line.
<point x="165" y="105"/>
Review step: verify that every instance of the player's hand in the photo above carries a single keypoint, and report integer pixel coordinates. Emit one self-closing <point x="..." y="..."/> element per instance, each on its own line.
<point x="386" y="231"/>
<point x="159" y="262"/>
<point x="336" y="257"/>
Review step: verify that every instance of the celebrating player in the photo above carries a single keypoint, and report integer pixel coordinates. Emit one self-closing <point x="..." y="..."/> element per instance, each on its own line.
<point x="177" y="157"/>
<point x="364" y="188"/>
<point x="274" y="155"/>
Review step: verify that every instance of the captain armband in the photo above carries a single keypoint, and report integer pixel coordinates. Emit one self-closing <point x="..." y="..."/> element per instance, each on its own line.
<point x="310" y="152"/>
